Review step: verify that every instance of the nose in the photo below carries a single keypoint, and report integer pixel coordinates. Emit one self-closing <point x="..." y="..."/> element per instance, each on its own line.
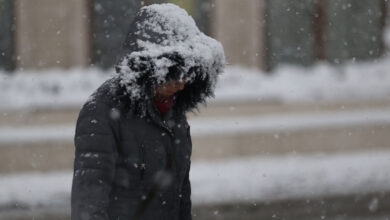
<point x="180" y="85"/>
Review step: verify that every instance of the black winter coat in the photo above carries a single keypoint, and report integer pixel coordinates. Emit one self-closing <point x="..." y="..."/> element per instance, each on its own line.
<point x="131" y="162"/>
<point x="121" y="158"/>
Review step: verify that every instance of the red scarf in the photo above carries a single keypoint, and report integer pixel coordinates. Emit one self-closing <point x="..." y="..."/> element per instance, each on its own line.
<point x="164" y="105"/>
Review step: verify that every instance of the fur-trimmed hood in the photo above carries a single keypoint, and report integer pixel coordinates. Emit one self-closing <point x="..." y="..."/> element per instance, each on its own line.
<point x="164" y="42"/>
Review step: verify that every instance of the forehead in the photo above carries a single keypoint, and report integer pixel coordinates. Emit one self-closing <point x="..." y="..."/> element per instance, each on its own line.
<point x="174" y="81"/>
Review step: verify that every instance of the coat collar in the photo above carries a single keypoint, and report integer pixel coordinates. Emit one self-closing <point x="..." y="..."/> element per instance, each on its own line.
<point x="158" y="118"/>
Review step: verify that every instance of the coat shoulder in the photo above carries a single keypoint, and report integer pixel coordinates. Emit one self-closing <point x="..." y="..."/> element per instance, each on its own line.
<point x="109" y="93"/>
<point x="110" y="96"/>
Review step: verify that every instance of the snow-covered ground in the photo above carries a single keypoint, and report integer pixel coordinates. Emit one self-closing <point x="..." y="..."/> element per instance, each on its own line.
<point x="268" y="179"/>
<point x="217" y="126"/>
<point x="70" y="88"/>
<point x="252" y="179"/>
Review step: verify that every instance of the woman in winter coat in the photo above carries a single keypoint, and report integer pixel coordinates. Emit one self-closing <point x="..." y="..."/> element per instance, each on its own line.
<point x="133" y="143"/>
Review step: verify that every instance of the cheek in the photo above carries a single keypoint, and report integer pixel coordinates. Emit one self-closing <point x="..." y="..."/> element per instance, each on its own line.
<point x="162" y="89"/>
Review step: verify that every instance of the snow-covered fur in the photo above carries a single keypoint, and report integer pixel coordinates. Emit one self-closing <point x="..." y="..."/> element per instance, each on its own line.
<point x="164" y="43"/>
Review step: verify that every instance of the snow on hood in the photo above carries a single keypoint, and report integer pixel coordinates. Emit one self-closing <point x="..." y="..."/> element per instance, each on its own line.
<point x="164" y="42"/>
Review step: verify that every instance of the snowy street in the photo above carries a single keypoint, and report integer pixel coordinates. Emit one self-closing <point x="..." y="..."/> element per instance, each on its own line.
<point x="258" y="129"/>
<point x="195" y="109"/>
<point x="308" y="160"/>
<point x="280" y="183"/>
<point x="275" y="160"/>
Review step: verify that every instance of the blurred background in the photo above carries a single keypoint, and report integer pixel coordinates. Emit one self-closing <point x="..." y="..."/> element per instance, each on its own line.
<point x="299" y="127"/>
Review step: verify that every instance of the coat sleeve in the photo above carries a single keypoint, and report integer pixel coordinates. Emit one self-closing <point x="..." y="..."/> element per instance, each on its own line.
<point x="185" y="202"/>
<point x="94" y="164"/>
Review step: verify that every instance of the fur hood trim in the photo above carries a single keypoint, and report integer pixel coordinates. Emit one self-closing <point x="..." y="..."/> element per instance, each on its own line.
<point x="164" y="42"/>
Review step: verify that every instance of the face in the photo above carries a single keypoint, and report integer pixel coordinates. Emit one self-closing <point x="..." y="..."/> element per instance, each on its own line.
<point x="170" y="88"/>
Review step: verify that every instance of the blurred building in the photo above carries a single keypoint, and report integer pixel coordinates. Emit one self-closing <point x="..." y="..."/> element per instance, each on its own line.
<point x="38" y="34"/>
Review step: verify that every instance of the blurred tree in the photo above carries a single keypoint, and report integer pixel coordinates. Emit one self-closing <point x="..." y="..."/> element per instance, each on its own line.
<point x="354" y="29"/>
<point x="111" y="20"/>
<point x="199" y="9"/>
<point x="6" y="35"/>
<point x="291" y="32"/>
<point x="189" y="5"/>
<point x="301" y="32"/>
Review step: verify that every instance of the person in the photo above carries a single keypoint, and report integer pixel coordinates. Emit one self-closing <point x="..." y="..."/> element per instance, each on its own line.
<point x="132" y="140"/>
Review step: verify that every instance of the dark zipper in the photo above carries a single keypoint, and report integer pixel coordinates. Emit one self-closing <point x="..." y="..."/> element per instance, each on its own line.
<point x="142" y="165"/>
<point x="165" y="126"/>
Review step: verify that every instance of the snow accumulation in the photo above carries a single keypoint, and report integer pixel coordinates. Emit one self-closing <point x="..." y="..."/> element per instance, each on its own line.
<point x="48" y="88"/>
<point x="217" y="126"/>
<point x="322" y="82"/>
<point x="290" y="122"/>
<point x="71" y="88"/>
<point x="255" y="179"/>
<point x="287" y="177"/>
